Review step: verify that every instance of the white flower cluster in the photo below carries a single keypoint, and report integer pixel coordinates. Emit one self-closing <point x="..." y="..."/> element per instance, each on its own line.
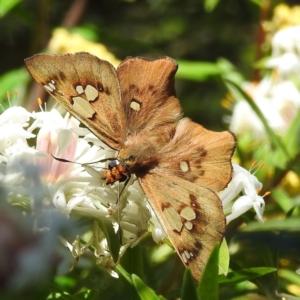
<point x="277" y="96"/>
<point x="244" y="182"/>
<point x="74" y="187"/>
<point x="66" y="159"/>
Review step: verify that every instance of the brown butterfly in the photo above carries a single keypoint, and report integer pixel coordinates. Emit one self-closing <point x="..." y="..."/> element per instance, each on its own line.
<point x="179" y="164"/>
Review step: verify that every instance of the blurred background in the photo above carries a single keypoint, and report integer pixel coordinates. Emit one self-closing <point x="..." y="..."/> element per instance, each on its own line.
<point x="212" y="33"/>
<point x="211" y="40"/>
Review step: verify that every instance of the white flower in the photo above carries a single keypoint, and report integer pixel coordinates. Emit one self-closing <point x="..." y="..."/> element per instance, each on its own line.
<point x="286" y="65"/>
<point x="286" y="40"/>
<point x="15" y="115"/>
<point x="277" y="96"/>
<point x="246" y="183"/>
<point x="278" y="102"/>
<point x="72" y="182"/>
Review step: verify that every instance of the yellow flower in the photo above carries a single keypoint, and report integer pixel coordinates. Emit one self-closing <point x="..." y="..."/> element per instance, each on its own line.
<point x="291" y="183"/>
<point x="283" y="17"/>
<point x="63" y="41"/>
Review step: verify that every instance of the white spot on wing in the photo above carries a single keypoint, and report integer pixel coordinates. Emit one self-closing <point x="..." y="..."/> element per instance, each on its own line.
<point x="135" y="105"/>
<point x="48" y="88"/>
<point x="188" y="213"/>
<point x="173" y="218"/>
<point x="52" y="85"/>
<point x="184" y="166"/>
<point x="188" y="225"/>
<point x="91" y="92"/>
<point x="79" y="89"/>
<point x="184" y="258"/>
<point x="83" y="107"/>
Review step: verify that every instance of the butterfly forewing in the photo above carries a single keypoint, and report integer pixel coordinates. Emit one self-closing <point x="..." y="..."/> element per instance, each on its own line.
<point x="87" y="87"/>
<point x="149" y="97"/>
<point x="191" y="215"/>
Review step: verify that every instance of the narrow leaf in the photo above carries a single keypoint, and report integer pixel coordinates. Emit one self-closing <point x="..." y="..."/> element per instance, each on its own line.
<point x="209" y="5"/>
<point x="197" y="70"/>
<point x="224" y="258"/>
<point x="111" y="237"/>
<point x="244" y="274"/>
<point x="291" y="224"/>
<point x="143" y="290"/>
<point x="208" y="288"/>
<point x="124" y="273"/>
<point x="188" y="287"/>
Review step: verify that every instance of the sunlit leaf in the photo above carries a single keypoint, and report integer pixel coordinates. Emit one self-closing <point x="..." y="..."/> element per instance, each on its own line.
<point x="208" y="288"/>
<point x="197" y="70"/>
<point x="7" y="5"/>
<point x="224" y="258"/>
<point x="210" y="5"/>
<point x="290" y="224"/>
<point x="143" y="290"/>
<point x="283" y="199"/>
<point x="290" y="276"/>
<point x="244" y="274"/>
<point x="87" y="295"/>
<point x="15" y="79"/>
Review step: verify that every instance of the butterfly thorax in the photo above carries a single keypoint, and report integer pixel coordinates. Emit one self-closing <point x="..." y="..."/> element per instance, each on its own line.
<point x="138" y="157"/>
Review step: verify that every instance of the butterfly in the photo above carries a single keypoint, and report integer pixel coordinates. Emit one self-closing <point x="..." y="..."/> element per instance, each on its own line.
<point x="179" y="164"/>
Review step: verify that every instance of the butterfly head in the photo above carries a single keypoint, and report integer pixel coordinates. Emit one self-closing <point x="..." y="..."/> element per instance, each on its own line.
<point x="139" y="156"/>
<point x="116" y="171"/>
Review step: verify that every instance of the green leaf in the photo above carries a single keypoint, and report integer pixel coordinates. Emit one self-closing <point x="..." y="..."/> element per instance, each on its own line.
<point x="240" y="94"/>
<point x="292" y="138"/>
<point x="143" y="290"/>
<point x="64" y="281"/>
<point x="229" y="71"/>
<point x="88" y="295"/>
<point x="124" y="273"/>
<point x="291" y="224"/>
<point x="15" y="79"/>
<point x="132" y="260"/>
<point x="244" y="274"/>
<point x="61" y="293"/>
<point x="283" y="199"/>
<point x="224" y="258"/>
<point x="208" y="288"/>
<point x="7" y="5"/>
<point x="111" y="237"/>
<point x="209" y="5"/>
<point x="188" y="286"/>
<point x="197" y="70"/>
<point x="290" y="276"/>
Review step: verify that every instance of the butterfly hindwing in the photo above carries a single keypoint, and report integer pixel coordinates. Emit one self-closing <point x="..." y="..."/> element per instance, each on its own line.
<point x="87" y="87"/>
<point x="198" y="155"/>
<point x="191" y="168"/>
<point x="191" y="215"/>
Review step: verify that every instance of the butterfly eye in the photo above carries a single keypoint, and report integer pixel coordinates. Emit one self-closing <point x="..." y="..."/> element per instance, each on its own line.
<point x="113" y="163"/>
<point x="131" y="158"/>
